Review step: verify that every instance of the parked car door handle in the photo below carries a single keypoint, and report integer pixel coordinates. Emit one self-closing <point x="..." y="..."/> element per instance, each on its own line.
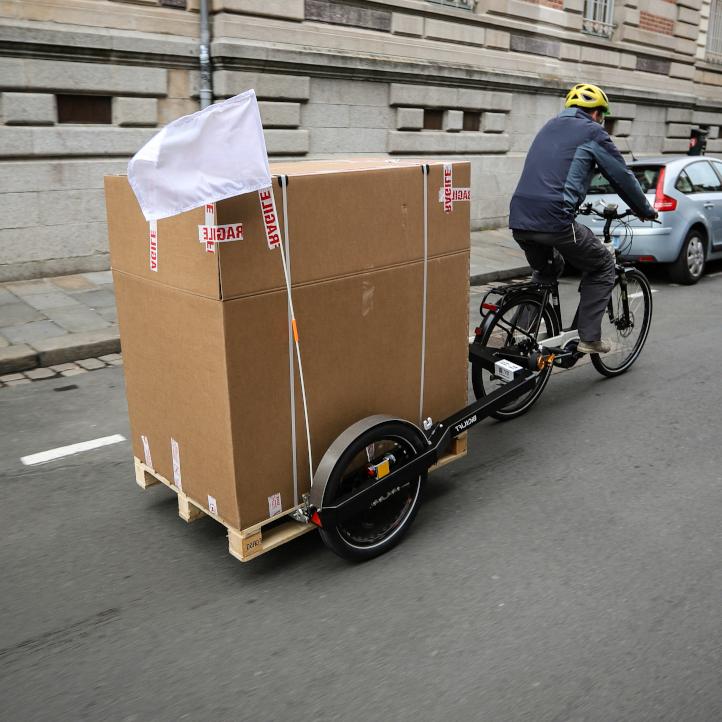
<point x="709" y="205"/>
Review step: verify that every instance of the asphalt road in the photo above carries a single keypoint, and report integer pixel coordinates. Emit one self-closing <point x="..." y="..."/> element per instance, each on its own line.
<point x="567" y="569"/>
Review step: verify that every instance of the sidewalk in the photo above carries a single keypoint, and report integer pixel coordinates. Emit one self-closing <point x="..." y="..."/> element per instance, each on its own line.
<point x="47" y="324"/>
<point x="495" y="256"/>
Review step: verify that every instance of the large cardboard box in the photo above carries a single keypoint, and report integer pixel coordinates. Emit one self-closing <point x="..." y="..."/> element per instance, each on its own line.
<point x="211" y="377"/>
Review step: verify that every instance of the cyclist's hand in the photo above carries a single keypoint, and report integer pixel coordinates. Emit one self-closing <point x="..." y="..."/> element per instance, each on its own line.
<point x="653" y="217"/>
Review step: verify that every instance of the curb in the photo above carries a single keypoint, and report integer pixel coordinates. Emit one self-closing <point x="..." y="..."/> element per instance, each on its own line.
<point x="19" y="357"/>
<point x="479" y="279"/>
<point x="62" y="349"/>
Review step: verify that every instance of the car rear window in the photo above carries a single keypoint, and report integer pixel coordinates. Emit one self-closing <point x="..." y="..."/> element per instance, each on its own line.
<point x="646" y="175"/>
<point x="703" y="178"/>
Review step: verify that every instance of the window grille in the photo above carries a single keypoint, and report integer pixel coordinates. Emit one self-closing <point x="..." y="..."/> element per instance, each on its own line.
<point x="714" y="33"/>
<point x="463" y="4"/>
<point x="598" y="17"/>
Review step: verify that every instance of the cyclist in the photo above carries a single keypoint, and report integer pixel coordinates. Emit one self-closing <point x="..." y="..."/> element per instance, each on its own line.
<point x="557" y="173"/>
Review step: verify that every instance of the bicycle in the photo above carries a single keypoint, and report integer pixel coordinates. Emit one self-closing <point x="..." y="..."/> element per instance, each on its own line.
<point x="524" y="325"/>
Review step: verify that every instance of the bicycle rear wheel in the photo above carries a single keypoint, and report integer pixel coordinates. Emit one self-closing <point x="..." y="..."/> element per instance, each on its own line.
<point x="511" y="328"/>
<point x="627" y="335"/>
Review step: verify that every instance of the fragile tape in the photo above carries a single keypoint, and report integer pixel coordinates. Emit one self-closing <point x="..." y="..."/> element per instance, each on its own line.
<point x="210" y="221"/>
<point x="153" y="245"/>
<point x="457" y="194"/>
<point x="447" y="187"/>
<point x="210" y="234"/>
<point x="448" y="194"/>
<point x="270" y="217"/>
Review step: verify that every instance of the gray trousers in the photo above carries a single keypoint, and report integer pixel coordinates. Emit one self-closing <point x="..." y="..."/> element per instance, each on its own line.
<point x="546" y="253"/>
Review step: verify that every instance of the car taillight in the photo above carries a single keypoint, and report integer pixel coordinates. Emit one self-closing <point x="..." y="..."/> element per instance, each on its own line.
<point x="661" y="201"/>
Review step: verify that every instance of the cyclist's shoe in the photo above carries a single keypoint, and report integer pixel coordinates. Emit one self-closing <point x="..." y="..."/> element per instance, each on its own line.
<point x="601" y="346"/>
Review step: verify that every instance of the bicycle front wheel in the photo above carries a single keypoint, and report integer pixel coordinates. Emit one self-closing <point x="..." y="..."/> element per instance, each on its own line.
<point x="511" y="329"/>
<point x="627" y="333"/>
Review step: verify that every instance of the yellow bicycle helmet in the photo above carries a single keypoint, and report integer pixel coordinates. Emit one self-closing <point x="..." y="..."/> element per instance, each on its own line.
<point x="584" y="95"/>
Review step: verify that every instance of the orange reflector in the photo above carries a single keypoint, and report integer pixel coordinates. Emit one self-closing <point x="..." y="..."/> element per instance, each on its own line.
<point x="316" y="519"/>
<point x="383" y="469"/>
<point x="543" y="361"/>
<point x="295" y="330"/>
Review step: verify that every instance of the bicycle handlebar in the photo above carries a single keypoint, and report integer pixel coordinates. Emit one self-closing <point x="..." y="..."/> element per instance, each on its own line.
<point x="609" y="212"/>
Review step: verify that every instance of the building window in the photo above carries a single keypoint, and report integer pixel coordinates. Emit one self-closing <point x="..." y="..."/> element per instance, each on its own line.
<point x="472" y="121"/>
<point x="84" y="109"/>
<point x="463" y="4"/>
<point x="433" y="119"/>
<point x="714" y="33"/>
<point x="598" y="17"/>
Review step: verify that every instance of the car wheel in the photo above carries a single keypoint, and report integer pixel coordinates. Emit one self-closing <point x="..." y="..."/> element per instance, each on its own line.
<point x="689" y="267"/>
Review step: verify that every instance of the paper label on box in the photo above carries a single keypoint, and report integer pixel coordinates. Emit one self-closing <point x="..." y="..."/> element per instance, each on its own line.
<point x="212" y="505"/>
<point x="210" y="210"/>
<point x="270" y="217"/>
<point x="153" y="245"/>
<point x="146" y="452"/>
<point x="175" y="451"/>
<point x="274" y="505"/>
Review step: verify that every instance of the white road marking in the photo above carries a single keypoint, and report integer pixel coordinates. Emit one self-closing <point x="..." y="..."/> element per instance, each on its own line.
<point x="43" y="457"/>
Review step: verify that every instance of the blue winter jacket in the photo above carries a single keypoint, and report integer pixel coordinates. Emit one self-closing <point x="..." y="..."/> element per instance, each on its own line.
<point x="559" y="168"/>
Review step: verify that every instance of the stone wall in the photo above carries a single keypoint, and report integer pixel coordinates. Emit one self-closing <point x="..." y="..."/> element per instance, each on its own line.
<point x="373" y="77"/>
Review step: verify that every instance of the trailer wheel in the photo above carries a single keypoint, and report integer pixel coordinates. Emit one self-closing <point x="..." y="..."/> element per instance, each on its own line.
<point x="382" y="526"/>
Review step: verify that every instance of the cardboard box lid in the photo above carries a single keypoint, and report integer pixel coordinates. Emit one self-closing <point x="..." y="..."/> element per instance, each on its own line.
<point x="344" y="217"/>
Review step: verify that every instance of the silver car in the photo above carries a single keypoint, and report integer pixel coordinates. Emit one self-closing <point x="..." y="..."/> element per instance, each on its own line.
<point x="687" y="192"/>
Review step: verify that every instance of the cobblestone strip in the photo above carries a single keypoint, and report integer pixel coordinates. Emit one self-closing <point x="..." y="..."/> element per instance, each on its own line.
<point x="68" y="369"/>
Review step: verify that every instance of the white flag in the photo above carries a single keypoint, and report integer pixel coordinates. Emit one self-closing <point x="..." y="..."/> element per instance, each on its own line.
<point x="210" y="155"/>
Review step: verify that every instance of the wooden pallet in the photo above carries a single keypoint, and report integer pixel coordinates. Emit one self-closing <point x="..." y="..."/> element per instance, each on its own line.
<point x="244" y="544"/>
<point x="457" y="450"/>
<point x="249" y="543"/>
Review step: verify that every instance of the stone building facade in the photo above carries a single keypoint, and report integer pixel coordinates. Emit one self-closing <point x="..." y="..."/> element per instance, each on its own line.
<point x="84" y="83"/>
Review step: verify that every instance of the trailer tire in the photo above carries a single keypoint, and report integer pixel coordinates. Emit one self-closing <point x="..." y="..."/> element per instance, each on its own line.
<point x="382" y="526"/>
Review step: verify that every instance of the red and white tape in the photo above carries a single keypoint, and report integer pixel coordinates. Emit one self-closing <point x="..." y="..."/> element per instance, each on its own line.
<point x="448" y="194"/>
<point x="210" y="221"/>
<point x="270" y="217"/>
<point x="153" y="245"/>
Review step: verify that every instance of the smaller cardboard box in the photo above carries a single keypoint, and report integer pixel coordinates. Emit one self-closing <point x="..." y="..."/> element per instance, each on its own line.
<point x="378" y="259"/>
